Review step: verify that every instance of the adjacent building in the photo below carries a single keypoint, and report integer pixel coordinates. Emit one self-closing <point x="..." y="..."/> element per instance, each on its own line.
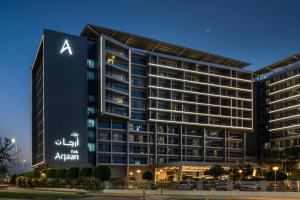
<point x="278" y="114"/>
<point x="112" y="98"/>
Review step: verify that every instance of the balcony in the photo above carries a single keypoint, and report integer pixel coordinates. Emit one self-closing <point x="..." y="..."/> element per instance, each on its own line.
<point x="117" y="52"/>
<point x="116" y="64"/>
<point x="117" y="111"/>
<point x="120" y="77"/>
<point x="117" y="88"/>
<point x="117" y="100"/>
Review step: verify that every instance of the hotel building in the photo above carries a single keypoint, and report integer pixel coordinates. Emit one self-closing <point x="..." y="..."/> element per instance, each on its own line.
<point x="112" y="98"/>
<point x="278" y="90"/>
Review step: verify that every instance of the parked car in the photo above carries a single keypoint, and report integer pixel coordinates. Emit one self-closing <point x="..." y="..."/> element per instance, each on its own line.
<point x="273" y="186"/>
<point x="207" y="185"/>
<point x="184" y="185"/>
<point x="221" y="186"/>
<point x="250" y="186"/>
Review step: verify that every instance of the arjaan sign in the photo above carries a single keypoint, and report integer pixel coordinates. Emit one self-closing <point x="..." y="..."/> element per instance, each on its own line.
<point x="72" y="144"/>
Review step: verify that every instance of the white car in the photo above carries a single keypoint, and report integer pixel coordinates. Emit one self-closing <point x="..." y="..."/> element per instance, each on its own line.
<point x="184" y="185"/>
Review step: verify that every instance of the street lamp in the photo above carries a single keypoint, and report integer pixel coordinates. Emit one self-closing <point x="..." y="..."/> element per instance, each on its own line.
<point x="275" y="168"/>
<point x="14" y="141"/>
<point x="240" y="172"/>
<point x="138" y="176"/>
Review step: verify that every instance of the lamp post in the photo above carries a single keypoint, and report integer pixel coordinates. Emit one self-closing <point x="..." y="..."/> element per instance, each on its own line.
<point x="138" y="176"/>
<point x="275" y="168"/>
<point x="14" y="141"/>
<point x="240" y="172"/>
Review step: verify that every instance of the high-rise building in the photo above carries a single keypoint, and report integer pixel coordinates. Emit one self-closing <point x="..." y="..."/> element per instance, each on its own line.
<point x="277" y="115"/>
<point x="112" y="98"/>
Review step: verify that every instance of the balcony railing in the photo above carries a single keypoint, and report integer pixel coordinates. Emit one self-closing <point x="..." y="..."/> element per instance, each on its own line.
<point x="117" y="111"/>
<point x="118" y="64"/>
<point x="116" y="52"/>
<point x="117" y="100"/>
<point x="117" y="88"/>
<point x="117" y="76"/>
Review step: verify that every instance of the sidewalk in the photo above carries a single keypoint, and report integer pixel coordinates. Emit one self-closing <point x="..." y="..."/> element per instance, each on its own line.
<point x="198" y="193"/>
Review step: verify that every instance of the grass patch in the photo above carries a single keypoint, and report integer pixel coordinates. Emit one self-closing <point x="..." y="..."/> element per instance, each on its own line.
<point x="38" y="195"/>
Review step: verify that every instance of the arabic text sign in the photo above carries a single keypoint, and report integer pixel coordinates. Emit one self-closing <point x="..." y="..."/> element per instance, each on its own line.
<point x="73" y="144"/>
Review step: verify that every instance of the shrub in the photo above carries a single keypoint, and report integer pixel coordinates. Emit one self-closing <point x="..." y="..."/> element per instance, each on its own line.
<point x="13" y="179"/>
<point x="24" y="181"/>
<point x="101" y="172"/>
<point x="295" y="175"/>
<point x="86" y="172"/>
<point x="72" y="173"/>
<point x="29" y="182"/>
<point x="50" y="173"/>
<point x="148" y="176"/>
<point x="19" y="181"/>
<point x="60" y="173"/>
<point x="43" y="182"/>
<point x="52" y="182"/>
<point x="35" y="182"/>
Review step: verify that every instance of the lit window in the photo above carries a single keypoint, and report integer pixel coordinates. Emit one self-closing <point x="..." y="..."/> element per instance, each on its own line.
<point x="91" y="123"/>
<point x="91" y="147"/>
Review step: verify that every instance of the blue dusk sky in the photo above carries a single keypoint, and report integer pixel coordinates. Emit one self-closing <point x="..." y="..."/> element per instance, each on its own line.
<point x="259" y="31"/>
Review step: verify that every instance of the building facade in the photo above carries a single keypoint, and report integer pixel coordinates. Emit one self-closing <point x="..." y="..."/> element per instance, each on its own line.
<point x="133" y="103"/>
<point x="277" y="121"/>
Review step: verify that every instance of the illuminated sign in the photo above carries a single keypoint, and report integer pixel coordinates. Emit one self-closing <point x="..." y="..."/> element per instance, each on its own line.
<point x="66" y="46"/>
<point x="73" y="144"/>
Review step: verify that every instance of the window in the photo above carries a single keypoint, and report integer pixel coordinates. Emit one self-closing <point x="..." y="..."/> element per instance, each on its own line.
<point x="138" y="115"/>
<point x="137" y="104"/>
<point x="138" y="161"/>
<point x="138" y="127"/>
<point x="138" y="82"/>
<point x="103" y="159"/>
<point x="91" y="123"/>
<point x="91" y="147"/>
<point x="90" y="75"/>
<point x="91" y="100"/>
<point x="119" y="137"/>
<point x="90" y="110"/>
<point x="104" y="135"/>
<point x="138" y="71"/>
<point x="104" y="147"/>
<point x="91" y="63"/>
<point x="119" y="159"/>
<point x="119" y="149"/>
<point x="119" y="125"/>
<point x="138" y="94"/>
<point x="104" y="124"/>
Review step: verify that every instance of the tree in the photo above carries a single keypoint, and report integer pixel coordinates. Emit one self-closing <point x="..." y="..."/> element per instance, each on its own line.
<point x="148" y="176"/>
<point x="280" y="176"/>
<point x="6" y="159"/>
<point x="216" y="171"/>
<point x="85" y="172"/>
<point x="248" y="170"/>
<point x="102" y="172"/>
<point x="234" y="173"/>
<point x="295" y="175"/>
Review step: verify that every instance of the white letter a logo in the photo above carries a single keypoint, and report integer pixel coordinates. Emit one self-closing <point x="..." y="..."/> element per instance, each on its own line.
<point x="65" y="47"/>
